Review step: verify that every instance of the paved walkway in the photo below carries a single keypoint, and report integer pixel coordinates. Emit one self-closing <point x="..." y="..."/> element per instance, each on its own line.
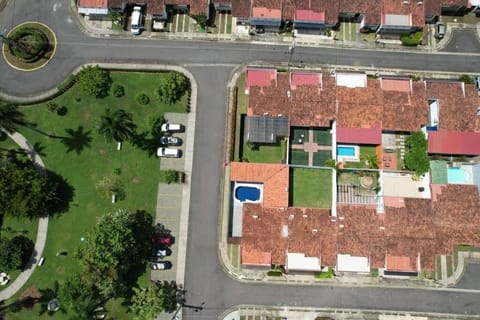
<point x="13" y="288"/>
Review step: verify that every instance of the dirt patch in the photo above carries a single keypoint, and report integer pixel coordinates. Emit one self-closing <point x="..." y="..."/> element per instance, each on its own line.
<point x="101" y="152"/>
<point x="135" y="180"/>
<point x="87" y="116"/>
<point x="30" y="292"/>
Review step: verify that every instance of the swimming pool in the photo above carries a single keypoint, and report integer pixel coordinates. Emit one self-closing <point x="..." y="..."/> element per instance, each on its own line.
<point x="346" y="151"/>
<point x="457" y="175"/>
<point x="245" y="192"/>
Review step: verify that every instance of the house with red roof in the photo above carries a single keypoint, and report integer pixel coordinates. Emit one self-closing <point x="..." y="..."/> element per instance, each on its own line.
<point x="93" y="7"/>
<point x="266" y="15"/>
<point x="444" y="142"/>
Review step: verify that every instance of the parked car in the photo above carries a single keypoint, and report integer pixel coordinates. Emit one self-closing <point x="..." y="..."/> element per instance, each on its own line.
<point x="163" y="239"/>
<point x="161" y="252"/>
<point x="168" y="152"/>
<point x="136" y="20"/>
<point x="160" y="265"/>
<point x="172" y="127"/>
<point x="170" y="141"/>
<point x="439" y="30"/>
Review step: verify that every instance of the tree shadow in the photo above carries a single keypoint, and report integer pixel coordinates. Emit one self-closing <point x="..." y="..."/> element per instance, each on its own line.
<point x="64" y="193"/>
<point x="77" y="140"/>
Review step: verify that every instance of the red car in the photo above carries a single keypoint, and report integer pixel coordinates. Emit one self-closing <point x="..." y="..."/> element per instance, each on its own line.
<point x="165" y="239"/>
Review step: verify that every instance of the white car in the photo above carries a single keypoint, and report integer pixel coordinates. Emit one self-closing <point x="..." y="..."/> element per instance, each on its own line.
<point x="136" y="20"/>
<point x="168" y="152"/>
<point x="172" y="127"/>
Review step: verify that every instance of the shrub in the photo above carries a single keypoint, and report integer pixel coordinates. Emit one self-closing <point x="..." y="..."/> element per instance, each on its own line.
<point x="411" y="40"/>
<point x="143" y="99"/>
<point x="94" y="81"/>
<point x="253" y="146"/>
<point x="52" y="106"/>
<point x="274" y="273"/>
<point x="118" y="90"/>
<point x="171" y="176"/>
<point x="466" y="78"/>
<point x="62" y="111"/>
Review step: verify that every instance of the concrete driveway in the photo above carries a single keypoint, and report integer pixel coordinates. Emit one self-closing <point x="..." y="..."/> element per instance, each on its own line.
<point x="464" y="40"/>
<point x="471" y="277"/>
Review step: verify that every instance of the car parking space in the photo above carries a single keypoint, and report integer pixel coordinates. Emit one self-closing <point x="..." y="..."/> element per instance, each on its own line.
<point x="169" y="205"/>
<point x="176" y="163"/>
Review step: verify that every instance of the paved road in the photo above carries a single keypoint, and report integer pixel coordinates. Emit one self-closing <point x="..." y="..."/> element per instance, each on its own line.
<point x="212" y="64"/>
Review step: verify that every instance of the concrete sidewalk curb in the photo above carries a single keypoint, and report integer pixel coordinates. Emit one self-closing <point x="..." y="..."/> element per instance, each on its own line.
<point x="304" y="313"/>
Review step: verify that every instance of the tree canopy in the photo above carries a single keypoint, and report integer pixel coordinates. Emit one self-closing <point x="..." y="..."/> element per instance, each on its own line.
<point x="147" y="302"/>
<point x="24" y="191"/>
<point x="416" y="157"/>
<point x="172" y="87"/>
<point x="11" y="117"/>
<point x="117" y="125"/>
<point x="94" y="81"/>
<point x="80" y="295"/>
<point x="116" y="246"/>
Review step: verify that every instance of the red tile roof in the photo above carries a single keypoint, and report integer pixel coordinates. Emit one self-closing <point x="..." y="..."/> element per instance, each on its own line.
<point x="452" y="142"/>
<point x="275" y="179"/>
<point x="305" y="78"/>
<point x="266" y="13"/>
<point x="309" y="15"/>
<point x="400" y="85"/>
<point x="396" y="263"/>
<point x="92" y="3"/>
<point x="260" y="77"/>
<point x="274" y="231"/>
<point x="360" y="135"/>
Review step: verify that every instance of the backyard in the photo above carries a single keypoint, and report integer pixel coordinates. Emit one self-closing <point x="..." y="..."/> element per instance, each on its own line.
<point x="265" y="153"/>
<point x="82" y="156"/>
<point x="311" y="188"/>
<point x="366" y="152"/>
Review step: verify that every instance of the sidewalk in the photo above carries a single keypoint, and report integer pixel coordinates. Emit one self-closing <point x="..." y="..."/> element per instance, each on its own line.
<point x="18" y="283"/>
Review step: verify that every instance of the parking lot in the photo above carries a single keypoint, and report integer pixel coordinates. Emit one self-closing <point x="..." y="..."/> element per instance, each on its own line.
<point x="169" y="201"/>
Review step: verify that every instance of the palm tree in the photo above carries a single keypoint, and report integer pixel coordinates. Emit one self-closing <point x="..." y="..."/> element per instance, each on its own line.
<point x="11" y="117"/>
<point x="117" y="126"/>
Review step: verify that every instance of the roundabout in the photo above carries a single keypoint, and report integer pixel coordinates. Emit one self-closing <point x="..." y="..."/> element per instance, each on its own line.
<point x="29" y="46"/>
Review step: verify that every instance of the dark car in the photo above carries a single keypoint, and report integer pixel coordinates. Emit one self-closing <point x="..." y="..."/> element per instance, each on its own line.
<point x="162" y="239"/>
<point x="170" y="141"/>
<point x="161" y="252"/>
<point x="160" y="265"/>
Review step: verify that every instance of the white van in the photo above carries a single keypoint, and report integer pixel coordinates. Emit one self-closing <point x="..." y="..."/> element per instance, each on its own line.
<point x="136" y="20"/>
<point x="168" y="152"/>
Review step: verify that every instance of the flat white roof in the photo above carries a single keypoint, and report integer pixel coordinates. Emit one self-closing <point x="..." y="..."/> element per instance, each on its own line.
<point x="397" y="19"/>
<point x="298" y="261"/>
<point x="92" y="10"/>
<point x="348" y="263"/>
<point x="351" y="80"/>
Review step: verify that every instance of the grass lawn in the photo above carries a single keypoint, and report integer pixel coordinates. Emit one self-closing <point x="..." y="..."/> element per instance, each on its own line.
<point x="82" y="170"/>
<point x="229" y="23"/>
<point x="297" y="133"/>
<point x="299" y="157"/>
<point x="365" y="152"/>
<point x="266" y="153"/>
<point x="322" y="137"/>
<point x="241" y="109"/>
<point x="311" y="188"/>
<point x="320" y="157"/>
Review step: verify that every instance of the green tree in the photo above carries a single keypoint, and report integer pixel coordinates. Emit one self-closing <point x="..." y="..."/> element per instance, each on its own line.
<point x="147" y="302"/>
<point x="117" y="125"/>
<point x="114" y="248"/>
<point x="172" y="87"/>
<point x="25" y="192"/>
<point x="94" y="81"/>
<point x="372" y="161"/>
<point x="110" y="185"/>
<point x="10" y="255"/>
<point x="11" y="117"/>
<point x="79" y="295"/>
<point x="416" y="157"/>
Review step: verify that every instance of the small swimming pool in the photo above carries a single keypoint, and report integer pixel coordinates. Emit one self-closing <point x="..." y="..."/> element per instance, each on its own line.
<point x="246" y="192"/>
<point x="346" y="151"/>
<point x="457" y="175"/>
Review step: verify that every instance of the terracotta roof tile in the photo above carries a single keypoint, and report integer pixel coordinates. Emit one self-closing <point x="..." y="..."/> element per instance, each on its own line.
<point x="241" y="8"/>
<point x="417" y="12"/>
<point x="275" y="179"/>
<point x="308" y="231"/>
<point x="92" y="3"/>
<point x="371" y="9"/>
<point x="397" y="263"/>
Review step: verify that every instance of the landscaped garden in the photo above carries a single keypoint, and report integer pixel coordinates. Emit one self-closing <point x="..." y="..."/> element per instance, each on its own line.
<point x="298" y="135"/>
<point x="264" y="153"/>
<point x="298" y="157"/>
<point x="367" y="158"/>
<point x="69" y="143"/>
<point x="311" y="188"/>
<point x="320" y="157"/>
<point x="322" y="137"/>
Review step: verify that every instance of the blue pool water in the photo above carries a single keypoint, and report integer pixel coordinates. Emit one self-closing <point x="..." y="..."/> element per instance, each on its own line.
<point x="346" y="151"/>
<point x="457" y="175"/>
<point x="247" y="193"/>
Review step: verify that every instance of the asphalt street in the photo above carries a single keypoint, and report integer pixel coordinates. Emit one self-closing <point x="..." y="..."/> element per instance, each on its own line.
<point x="212" y="64"/>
